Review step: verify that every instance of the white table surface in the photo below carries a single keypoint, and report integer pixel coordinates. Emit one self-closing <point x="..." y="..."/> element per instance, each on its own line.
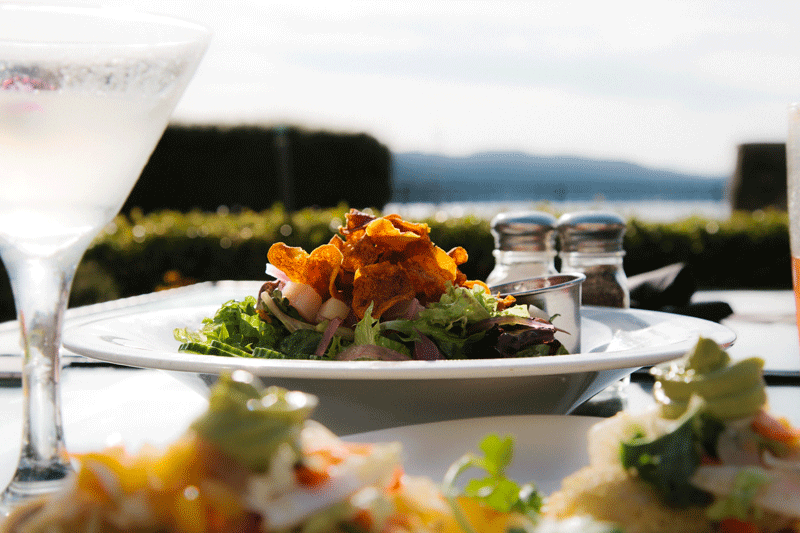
<point x="765" y="325"/>
<point x="103" y="406"/>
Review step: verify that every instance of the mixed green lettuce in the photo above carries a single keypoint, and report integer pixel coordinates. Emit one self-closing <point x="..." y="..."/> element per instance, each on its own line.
<point x="465" y="323"/>
<point x="235" y="325"/>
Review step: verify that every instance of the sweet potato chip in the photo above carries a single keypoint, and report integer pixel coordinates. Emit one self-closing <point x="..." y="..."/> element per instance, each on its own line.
<point x="476" y="283"/>
<point x="405" y="226"/>
<point x="384" y="234"/>
<point x="381" y="285"/>
<point x="316" y="269"/>
<point x="291" y="260"/>
<point x="428" y="287"/>
<point x="459" y="255"/>
<point x="337" y="242"/>
<point x="321" y="269"/>
<point x="430" y="270"/>
<point x="380" y="260"/>
<point x="359" y="253"/>
<point x="355" y="220"/>
<point x="502" y="302"/>
<point x="445" y="262"/>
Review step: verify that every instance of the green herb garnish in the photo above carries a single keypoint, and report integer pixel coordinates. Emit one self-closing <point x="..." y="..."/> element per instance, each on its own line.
<point x="494" y="490"/>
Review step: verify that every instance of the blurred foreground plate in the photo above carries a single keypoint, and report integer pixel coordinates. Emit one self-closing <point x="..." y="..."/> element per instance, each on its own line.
<point x="360" y="396"/>
<point x="546" y="448"/>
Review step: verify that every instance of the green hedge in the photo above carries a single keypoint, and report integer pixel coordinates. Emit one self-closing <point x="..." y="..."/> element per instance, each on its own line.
<point x="139" y="253"/>
<point x="748" y="250"/>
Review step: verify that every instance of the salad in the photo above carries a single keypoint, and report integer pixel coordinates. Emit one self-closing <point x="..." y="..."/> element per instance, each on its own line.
<point x="381" y="290"/>
<point x="254" y="462"/>
<point x="708" y="458"/>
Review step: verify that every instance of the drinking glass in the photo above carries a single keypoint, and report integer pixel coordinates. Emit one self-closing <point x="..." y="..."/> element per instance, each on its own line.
<point x="85" y="95"/>
<point x="793" y="198"/>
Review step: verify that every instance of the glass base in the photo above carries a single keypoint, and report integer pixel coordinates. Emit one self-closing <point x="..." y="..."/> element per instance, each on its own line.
<point x="32" y="482"/>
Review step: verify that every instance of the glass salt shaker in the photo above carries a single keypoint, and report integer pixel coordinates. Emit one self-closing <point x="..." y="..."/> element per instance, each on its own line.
<point x="591" y="243"/>
<point x="524" y="246"/>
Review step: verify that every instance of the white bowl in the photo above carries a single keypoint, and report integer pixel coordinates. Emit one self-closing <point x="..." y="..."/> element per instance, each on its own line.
<point x="360" y="396"/>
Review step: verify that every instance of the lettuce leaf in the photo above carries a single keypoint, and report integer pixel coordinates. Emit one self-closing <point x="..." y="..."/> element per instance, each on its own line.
<point x="445" y="322"/>
<point x="460" y="306"/>
<point x="300" y="344"/>
<point x="368" y="332"/>
<point x="237" y="324"/>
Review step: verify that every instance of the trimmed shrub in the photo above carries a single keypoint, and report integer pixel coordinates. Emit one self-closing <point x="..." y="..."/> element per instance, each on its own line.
<point x="140" y="253"/>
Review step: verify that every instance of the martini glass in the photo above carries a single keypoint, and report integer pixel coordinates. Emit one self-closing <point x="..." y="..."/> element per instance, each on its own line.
<point x="85" y="95"/>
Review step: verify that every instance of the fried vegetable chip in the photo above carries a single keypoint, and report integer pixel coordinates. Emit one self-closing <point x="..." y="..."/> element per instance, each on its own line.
<point x="381" y="285"/>
<point x="291" y="260"/>
<point x="383" y="233"/>
<point x="359" y="253"/>
<point x="322" y="266"/>
<point x="430" y="270"/>
<point x="459" y="255"/>
<point x="379" y="261"/>
<point x="355" y="220"/>
<point x="317" y="269"/>
<point x="405" y="226"/>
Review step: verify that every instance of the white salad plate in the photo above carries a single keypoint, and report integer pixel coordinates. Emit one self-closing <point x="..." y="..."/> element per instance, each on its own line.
<point x="547" y="448"/>
<point x="366" y="395"/>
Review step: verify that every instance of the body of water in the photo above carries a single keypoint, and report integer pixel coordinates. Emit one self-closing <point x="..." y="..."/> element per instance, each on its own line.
<point x="647" y="210"/>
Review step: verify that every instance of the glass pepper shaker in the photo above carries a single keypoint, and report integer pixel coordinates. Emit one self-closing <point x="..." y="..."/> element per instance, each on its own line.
<point x="591" y="243"/>
<point x="524" y="246"/>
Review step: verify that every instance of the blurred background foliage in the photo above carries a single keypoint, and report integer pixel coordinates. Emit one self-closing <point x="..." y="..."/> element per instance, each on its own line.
<point x="139" y="253"/>
<point x="212" y="200"/>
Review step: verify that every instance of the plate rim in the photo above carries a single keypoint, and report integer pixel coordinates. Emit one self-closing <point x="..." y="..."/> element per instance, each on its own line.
<point x="75" y="340"/>
<point x="521" y="419"/>
<point x="577" y="425"/>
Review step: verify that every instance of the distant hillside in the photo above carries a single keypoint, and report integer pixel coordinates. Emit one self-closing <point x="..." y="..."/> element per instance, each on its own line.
<point x="507" y="176"/>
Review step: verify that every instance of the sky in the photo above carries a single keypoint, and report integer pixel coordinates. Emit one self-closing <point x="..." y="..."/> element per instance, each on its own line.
<point x="674" y="85"/>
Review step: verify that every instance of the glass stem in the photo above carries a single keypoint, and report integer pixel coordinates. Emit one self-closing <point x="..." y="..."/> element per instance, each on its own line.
<point x="41" y="291"/>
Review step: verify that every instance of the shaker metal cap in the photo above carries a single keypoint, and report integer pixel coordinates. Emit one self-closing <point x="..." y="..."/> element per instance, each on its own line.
<point x="591" y="232"/>
<point x="529" y="231"/>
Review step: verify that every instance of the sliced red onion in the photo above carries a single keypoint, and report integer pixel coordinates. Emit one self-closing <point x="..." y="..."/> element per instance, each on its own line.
<point x="372" y="352"/>
<point x="327" y="336"/>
